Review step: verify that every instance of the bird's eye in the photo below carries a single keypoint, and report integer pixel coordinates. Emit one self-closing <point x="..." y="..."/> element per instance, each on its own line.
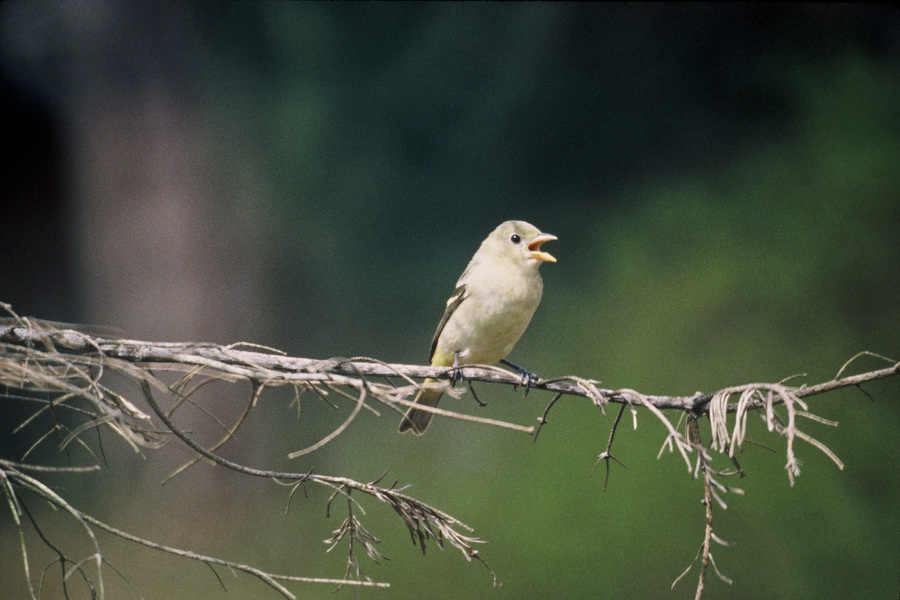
<point x="514" y="238"/>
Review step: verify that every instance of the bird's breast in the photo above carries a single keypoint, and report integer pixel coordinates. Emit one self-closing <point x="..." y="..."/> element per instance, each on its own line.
<point x="488" y="324"/>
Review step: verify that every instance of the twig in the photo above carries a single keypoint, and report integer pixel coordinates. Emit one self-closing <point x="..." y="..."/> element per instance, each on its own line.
<point x="606" y="455"/>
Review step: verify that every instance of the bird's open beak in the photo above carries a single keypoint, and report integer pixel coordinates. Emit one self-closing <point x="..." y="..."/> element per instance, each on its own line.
<point x="534" y="246"/>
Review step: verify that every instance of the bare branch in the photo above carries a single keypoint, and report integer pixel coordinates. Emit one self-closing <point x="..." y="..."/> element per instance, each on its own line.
<point x="277" y="369"/>
<point x="68" y="364"/>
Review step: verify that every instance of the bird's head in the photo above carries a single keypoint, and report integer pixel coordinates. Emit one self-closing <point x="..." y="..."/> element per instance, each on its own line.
<point x="518" y="240"/>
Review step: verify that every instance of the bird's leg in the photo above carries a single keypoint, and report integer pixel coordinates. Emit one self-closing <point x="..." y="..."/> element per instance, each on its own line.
<point x="529" y="377"/>
<point x="456" y="375"/>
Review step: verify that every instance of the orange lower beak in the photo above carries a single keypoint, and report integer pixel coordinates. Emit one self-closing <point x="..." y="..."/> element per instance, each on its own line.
<point x="534" y="246"/>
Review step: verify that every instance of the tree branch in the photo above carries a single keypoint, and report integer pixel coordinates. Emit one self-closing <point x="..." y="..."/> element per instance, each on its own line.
<point x="67" y="363"/>
<point x="275" y="368"/>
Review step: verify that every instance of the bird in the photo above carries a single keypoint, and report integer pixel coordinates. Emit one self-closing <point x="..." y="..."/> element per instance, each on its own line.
<point x="489" y="310"/>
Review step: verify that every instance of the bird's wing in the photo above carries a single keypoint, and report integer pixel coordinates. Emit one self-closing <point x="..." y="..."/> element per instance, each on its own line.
<point x="459" y="295"/>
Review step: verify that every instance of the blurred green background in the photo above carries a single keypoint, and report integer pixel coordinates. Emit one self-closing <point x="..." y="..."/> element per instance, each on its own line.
<point x="724" y="183"/>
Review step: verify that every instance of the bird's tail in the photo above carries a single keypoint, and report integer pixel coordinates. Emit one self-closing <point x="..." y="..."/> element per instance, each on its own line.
<point x="416" y="419"/>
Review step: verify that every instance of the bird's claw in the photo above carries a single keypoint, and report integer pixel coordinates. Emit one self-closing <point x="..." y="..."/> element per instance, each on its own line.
<point x="456" y="375"/>
<point x="529" y="379"/>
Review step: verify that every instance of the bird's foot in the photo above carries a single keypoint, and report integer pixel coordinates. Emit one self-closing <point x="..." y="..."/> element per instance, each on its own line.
<point x="456" y="376"/>
<point x="529" y="378"/>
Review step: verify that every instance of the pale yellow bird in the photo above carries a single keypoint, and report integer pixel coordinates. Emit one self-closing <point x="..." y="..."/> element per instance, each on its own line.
<point x="488" y="312"/>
